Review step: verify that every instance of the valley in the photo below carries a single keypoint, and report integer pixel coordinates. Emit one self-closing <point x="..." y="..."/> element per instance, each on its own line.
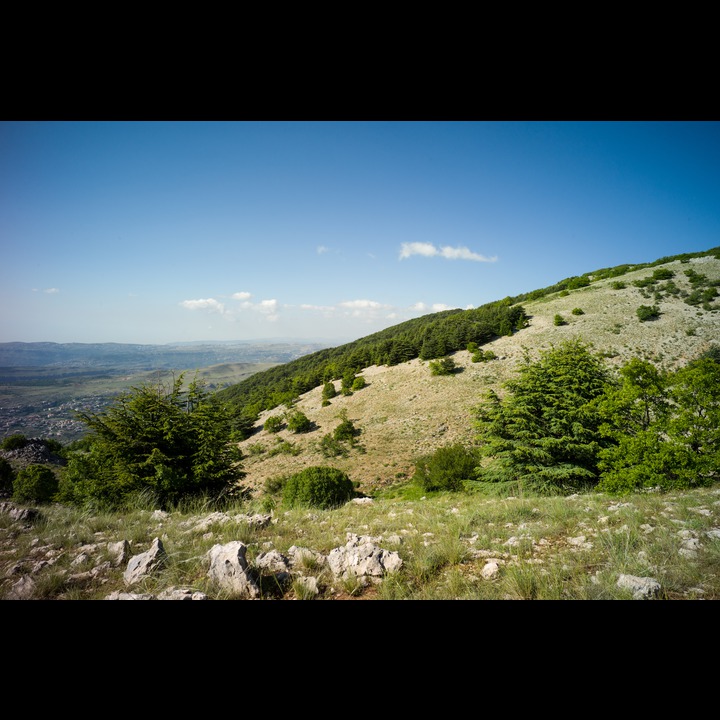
<point x="43" y="385"/>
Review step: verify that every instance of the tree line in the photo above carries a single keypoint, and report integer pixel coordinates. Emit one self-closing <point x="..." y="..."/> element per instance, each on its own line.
<point x="428" y="337"/>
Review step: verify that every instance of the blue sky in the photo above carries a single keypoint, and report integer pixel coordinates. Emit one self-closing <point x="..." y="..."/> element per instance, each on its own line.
<point x="161" y="232"/>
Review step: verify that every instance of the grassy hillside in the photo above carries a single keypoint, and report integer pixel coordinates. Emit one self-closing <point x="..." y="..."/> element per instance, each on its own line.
<point x="405" y="411"/>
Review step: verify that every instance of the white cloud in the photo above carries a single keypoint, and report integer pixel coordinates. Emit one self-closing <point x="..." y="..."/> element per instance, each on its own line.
<point x="438" y="307"/>
<point x="450" y="253"/>
<point x="322" y="249"/>
<point x="417" y="248"/>
<point x="52" y="291"/>
<point x="241" y="295"/>
<point x="419" y="306"/>
<point x="267" y="306"/>
<point x="209" y="304"/>
<point x="361" y="304"/>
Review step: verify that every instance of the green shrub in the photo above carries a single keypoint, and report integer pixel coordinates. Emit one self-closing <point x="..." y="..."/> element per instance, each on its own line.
<point x="273" y="424"/>
<point x="298" y="422"/>
<point x="330" y="446"/>
<point x="618" y="285"/>
<point x="578" y="311"/>
<point x="559" y="320"/>
<point x="358" y="383"/>
<point x="14" y="442"/>
<point x="480" y="356"/>
<point x="318" y="486"/>
<point x="7" y="476"/>
<point x="346" y="431"/>
<point x="444" y="366"/>
<point x="328" y="391"/>
<point x="646" y="312"/>
<point x="35" y="484"/>
<point x="663" y="274"/>
<point x="448" y="468"/>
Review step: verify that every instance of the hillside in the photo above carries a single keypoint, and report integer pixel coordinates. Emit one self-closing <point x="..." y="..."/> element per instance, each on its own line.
<point x="405" y="411"/>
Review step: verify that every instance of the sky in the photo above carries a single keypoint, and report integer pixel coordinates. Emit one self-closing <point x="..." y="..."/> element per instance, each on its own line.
<point x="158" y="232"/>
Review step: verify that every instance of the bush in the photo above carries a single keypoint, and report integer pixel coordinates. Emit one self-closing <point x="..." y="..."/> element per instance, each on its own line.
<point x="483" y="356"/>
<point x="559" y="320"/>
<point x="318" y="486"/>
<point x="14" y="442"/>
<point x="358" y="383"/>
<point x="578" y="311"/>
<point x="35" y="484"/>
<point x="618" y="285"/>
<point x="444" y="366"/>
<point x="448" y="468"/>
<point x="298" y="422"/>
<point x="273" y="424"/>
<point x="328" y="391"/>
<point x="346" y="431"/>
<point x="646" y="312"/>
<point x="330" y="446"/>
<point x="7" y="476"/>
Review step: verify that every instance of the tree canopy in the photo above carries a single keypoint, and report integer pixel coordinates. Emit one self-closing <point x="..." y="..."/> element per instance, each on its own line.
<point x="544" y="435"/>
<point x="164" y="441"/>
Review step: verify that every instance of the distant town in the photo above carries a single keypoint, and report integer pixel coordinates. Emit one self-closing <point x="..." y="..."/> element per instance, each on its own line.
<point x="44" y="385"/>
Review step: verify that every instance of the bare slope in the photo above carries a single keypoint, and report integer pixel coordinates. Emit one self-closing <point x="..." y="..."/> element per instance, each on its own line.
<point x="405" y="411"/>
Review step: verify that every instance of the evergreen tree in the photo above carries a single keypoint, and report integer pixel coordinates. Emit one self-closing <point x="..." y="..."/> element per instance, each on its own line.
<point x="163" y="441"/>
<point x="669" y="437"/>
<point x="544" y="436"/>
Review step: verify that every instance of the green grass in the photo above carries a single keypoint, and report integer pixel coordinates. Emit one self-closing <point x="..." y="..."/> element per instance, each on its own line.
<point x="544" y="548"/>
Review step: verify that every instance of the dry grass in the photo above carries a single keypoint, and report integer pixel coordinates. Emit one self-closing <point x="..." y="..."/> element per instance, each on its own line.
<point x="404" y="411"/>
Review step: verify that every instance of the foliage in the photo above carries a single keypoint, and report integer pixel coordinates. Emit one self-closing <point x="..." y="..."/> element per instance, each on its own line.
<point x="328" y="390"/>
<point x="7" y="476"/>
<point x="578" y="311"/>
<point x="544" y="436"/>
<point x="559" y="320"/>
<point x="483" y="356"/>
<point x="348" y="380"/>
<point x="358" y="383"/>
<point x="346" y="431"/>
<point x="273" y="424"/>
<point x="35" y="483"/>
<point x="663" y="274"/>
<point x="666" y="428"/>
<point x="318" y="486"/>
<point x="618" y="285"/>
<point x="169" y="442"/>
<point x="647" y="312"/>
<point x="16" y="441"/>
<point x="443" y="366"/>
<point x="447" y="468"/>
<point x="299" y="422"/>
<point x="330" y="446"/>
